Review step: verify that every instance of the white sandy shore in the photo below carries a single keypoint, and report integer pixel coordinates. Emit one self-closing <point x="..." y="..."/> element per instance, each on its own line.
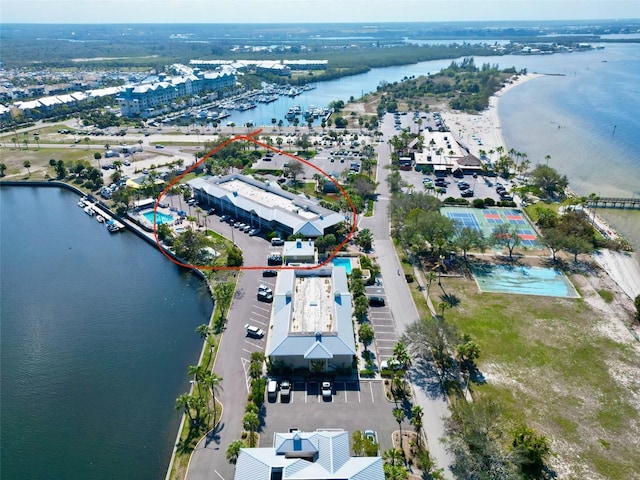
<point x="483" y="131"/>
<point x="622" y="268"/>
<point x="472" y="129"/>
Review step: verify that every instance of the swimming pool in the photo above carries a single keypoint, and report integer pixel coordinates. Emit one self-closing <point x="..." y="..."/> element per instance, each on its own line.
<point x="343" y="262"/>
<point x="523" y="280"/>
<point x="160" y="217"/>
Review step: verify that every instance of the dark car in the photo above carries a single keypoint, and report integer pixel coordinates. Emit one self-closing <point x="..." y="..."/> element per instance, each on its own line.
<point x="376" y="302"/>
<point x="269" y="273"/>
<point x="467" y="193"/>
<point x="274" y="260"/>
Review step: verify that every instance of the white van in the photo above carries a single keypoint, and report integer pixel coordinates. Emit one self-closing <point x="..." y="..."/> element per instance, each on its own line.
<point x="277" y="241"/>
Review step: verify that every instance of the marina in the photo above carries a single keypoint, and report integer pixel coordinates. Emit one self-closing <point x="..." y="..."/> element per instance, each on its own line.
<point x="102" y="216"/>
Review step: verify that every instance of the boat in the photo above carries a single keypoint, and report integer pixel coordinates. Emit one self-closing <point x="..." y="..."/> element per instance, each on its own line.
<point x="81" y="204"/>
<point x="100" y="219"/>
<point x="89" y="211"/>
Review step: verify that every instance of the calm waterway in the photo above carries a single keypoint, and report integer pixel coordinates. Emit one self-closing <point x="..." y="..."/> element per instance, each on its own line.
<point x="97" y="334"/>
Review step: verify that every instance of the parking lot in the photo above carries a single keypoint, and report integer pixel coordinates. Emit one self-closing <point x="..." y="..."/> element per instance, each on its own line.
<point x="381" y="320"/>
<point x="328" y="160"/>
<point x="355" y="405"/>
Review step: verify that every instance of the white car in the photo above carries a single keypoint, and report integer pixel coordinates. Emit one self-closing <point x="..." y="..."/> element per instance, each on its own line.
<point x="327" y="391"/>
<point x="264" y="289"/>
<point x="253" y="331"/>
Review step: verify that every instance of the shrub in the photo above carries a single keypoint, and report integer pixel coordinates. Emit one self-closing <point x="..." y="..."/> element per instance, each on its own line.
<point x="258" y="388"/>
<point x="478" y="203"/>
<point x="489" y="202"/>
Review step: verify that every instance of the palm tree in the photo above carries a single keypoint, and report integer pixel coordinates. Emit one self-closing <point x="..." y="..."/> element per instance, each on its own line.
<point x="86" y="140"/>
<point x="399" y="415"/>
<point x="233" y="451"/>
<point x="212" y="381"/>
<point x="416" y="421"/>
<point x="251" y="422"/>
<point x="204" y="330"/>
<point x="401" y="355"/>
<point x="3" y="167"/>
<point x="183" y="402"/>
<point x="393" y="457"/>
<point x="197" y="372"/>
<point x="27" y="165"/>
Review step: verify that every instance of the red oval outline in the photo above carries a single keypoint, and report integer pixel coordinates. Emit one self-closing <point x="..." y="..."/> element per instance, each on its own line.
<point x="249" y="137"/>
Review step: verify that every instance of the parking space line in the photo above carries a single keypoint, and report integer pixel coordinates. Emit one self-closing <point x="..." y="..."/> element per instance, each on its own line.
<point x="259" y="314"/>
<point x="248" y="351"/>
<point x="373" y="400"/>
<point x="260" y="308"/>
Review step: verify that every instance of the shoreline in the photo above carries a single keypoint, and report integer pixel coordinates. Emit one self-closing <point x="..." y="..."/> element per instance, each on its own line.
<point x="483" y="132"/>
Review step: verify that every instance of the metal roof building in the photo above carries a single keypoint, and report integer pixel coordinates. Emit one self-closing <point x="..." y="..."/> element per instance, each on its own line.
<point x="265" y="205"/>
<point x="311" y="320"/>
<point x="323" y="454"/>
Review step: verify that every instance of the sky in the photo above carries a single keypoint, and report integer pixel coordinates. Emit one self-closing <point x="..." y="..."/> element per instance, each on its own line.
<point x="309" y="11"/>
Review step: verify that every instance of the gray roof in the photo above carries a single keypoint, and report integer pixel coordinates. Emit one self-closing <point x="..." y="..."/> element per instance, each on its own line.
<point x="325" y="455"/>
<point x="311" y="227"/>
<point x="312" y="345"/>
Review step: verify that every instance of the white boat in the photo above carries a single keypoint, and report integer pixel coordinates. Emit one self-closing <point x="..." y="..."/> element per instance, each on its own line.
<point x="81" y="204"/>
<point x="89" y="211"/>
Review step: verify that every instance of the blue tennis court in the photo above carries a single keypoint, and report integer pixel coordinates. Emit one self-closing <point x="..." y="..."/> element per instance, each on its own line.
<point x="467" y="219"/>
<point x="486" y="220"/>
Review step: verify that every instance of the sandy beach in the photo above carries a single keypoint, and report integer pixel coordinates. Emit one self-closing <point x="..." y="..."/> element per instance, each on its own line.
<point x="483" y="132"/>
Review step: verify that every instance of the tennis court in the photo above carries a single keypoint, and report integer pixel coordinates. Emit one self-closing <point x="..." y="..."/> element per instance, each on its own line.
<point x="485" y="220"/>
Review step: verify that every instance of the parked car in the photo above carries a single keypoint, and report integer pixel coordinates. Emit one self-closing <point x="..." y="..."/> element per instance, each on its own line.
<point x="277" y="242"/>
<point x="285" y="388"/>
<point x="274" y="260"/>
<point x="376" y="302"/>
<point x="254" y="231"/>
<point x="467" y="193"/>
<point x="253" y="331"/>
<point x="159" y="146"/>
<point x="371" y="435"/>
<point x="391" y="364"/>
<point x="265" y="297"/>
<point x="272" y="390"/>
<point x="269" y="273"/>
<point x="264" y="289"/>
<point x="224" y="218"/>
<point x="327" y="390"/>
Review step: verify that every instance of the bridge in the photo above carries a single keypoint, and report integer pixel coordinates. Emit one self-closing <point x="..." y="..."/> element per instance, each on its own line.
<point x="612" y="202"/>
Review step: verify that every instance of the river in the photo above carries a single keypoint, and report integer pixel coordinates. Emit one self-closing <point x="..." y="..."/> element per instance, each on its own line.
<point x="97" y="334"/>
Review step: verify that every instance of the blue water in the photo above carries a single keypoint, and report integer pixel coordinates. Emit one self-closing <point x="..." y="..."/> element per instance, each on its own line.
<point x="524" y="281"/>
<point x="160" y="217"/>
<point x="343" y="262"/>
<point x="97" y="335"/>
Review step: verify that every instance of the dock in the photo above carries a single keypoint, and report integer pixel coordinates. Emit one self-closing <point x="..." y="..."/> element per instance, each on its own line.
<point x="93" y="209"/>
<point x="614" y="202"/>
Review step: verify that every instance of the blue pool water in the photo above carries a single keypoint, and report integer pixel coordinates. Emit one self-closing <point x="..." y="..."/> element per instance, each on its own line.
<point x="524" y="281"/>
<point x="343" y="262"/>
<point x="160" y="217"/>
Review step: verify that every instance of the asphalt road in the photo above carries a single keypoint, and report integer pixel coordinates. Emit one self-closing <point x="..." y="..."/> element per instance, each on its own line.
<point x="427" y="392"/>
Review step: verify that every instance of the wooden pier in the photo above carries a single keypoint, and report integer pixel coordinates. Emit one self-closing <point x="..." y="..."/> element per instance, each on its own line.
<point x="611" y="202"/>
